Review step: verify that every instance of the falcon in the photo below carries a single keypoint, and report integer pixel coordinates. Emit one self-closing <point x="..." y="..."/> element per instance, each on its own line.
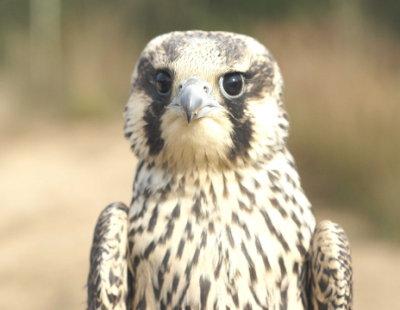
<point x="218" y="217"/>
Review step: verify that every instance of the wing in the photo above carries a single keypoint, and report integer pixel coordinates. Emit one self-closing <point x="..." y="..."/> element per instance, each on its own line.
<point x="330" y="268"/>
<point x="108" y="275"/>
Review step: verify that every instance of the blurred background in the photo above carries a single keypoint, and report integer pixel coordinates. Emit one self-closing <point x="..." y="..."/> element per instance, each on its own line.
<point x="64" y="79"/>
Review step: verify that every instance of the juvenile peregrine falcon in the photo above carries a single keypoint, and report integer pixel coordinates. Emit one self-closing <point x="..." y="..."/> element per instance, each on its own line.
<point x="218" y="218"/>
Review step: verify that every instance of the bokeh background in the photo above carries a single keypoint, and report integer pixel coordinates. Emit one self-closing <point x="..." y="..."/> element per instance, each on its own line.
<point x="65" y="67"/>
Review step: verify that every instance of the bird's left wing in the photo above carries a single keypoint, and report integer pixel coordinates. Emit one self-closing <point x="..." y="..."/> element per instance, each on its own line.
<point x="108" y="276"/>
<point x="330" y="268"/>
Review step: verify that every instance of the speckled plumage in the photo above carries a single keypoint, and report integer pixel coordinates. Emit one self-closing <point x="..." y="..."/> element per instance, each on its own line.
<point x="218" y="218"/>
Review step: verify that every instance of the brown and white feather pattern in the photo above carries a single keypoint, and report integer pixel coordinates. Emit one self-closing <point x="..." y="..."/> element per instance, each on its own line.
<point x="218" y="218"/>
<point x="108" y="276"/>
<point x="331" y="273"/>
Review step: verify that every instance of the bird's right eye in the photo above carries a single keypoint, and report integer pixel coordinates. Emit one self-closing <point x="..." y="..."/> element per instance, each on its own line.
<point x="163" y="82"/>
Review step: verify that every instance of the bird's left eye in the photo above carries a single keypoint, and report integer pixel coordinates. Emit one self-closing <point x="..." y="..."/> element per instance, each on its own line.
<point x="163" y="82"/>
<point x="232" y="84"/>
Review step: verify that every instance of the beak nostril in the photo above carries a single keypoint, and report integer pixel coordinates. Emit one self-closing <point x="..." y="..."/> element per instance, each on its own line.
<point x="207" y="89"/>
<point x="194" y="99"/>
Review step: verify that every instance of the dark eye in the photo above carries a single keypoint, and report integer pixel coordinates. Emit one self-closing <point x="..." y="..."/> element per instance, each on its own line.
<point x="163" y="82"/>
<point x="232" y="84"/>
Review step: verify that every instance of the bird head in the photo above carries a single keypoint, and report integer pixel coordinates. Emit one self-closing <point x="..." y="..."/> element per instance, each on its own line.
<point x="205" y="100"/>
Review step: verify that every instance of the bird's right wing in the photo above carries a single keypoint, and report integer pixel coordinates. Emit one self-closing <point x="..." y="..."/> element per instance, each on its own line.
<point x="330" y="268"/>
<point x="108" y="276"/>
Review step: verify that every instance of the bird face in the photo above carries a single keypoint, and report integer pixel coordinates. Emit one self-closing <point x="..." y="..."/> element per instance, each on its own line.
<point x="205" y="99"/>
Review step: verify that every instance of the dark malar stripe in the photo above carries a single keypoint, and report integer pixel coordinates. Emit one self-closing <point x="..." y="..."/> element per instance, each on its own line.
<point x="156" y="109"/>
<point x="241" y="137"/>
<point x="153" y="132"/>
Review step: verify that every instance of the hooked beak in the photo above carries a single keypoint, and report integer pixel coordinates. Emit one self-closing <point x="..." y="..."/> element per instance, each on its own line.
<point x="194" y="99"/>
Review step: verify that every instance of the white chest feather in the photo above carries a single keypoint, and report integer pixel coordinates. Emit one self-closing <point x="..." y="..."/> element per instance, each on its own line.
<point x="219" y="240"/>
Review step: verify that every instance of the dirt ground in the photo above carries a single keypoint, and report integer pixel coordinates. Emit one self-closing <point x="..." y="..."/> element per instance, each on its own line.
<point x="55" y="180"/>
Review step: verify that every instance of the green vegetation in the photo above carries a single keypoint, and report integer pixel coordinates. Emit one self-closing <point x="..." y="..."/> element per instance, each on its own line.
<point x="68" y="60"/>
